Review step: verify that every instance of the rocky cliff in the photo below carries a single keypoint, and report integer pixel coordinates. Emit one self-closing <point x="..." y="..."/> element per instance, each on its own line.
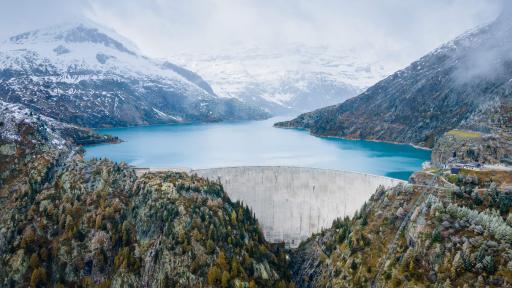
<point x="459" y="146"/>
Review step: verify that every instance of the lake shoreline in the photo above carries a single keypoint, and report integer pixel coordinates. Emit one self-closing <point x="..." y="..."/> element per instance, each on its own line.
<point x="255" y="143"/>
<point x="354" y="139"/>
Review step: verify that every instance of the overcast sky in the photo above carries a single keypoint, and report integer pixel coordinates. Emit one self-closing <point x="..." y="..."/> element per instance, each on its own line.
<point x="399" y="29"/>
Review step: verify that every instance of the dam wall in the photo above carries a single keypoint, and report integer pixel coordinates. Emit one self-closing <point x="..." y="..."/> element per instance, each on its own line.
<point x="292" y="203"/>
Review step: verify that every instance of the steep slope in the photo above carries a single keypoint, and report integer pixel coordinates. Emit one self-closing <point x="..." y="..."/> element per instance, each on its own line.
<point x="26" y="137"/>
<point x="463" y="84"/>
<point x="289" y="78"/>
<point x="67" y="222"/>
<point x="87" y="75"/>
<point x="417" y="236"/>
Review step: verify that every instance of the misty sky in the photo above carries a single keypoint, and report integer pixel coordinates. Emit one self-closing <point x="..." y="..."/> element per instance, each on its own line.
<point x="399" y="30"/>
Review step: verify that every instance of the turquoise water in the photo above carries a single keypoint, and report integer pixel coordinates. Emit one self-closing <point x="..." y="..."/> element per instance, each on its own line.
<point x="254" y="143"/>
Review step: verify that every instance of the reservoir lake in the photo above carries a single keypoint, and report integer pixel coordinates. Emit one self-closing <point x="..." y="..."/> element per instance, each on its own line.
<point x="254" y="143"/>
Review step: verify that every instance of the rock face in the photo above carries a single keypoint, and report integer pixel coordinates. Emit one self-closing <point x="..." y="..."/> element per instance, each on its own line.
<point x="463" y="84"/>
<point x="471" y="147"/>
<point x="412" y="235"/>
<point x="87" y="75"/>
<point x="67" y="222"/>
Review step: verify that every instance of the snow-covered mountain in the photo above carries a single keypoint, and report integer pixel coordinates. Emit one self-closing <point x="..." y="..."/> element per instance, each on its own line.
<point x="89" y="75"/>
<point x="292" y="78"/>
<point x="464" y="84"/>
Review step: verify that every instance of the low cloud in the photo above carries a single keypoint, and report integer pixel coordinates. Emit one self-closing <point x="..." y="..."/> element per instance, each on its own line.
<point x="395" y="30"/>
<point x="488" y="58"/>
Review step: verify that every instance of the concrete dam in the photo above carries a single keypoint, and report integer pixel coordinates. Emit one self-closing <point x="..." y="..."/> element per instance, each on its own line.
<point x="292" y="203"/>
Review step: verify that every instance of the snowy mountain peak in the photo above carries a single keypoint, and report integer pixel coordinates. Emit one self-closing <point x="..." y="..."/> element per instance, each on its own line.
<point x="89" y="75"/>
<point x="286" y="79"/>
<point x="72" y="48"/>
<point x="75" y="33"/>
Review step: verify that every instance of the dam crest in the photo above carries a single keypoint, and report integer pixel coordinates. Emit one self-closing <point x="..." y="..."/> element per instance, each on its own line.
<point x="292" y="203"/>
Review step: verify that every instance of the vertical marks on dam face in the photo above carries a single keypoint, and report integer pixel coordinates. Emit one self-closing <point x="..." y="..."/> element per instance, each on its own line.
<point x="292" y="203"/>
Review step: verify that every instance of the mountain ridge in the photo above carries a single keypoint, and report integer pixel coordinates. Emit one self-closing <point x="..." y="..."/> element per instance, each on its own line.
<point x="71" y="222"/>
<point x="442" y="91"/>
<point x="292" y="78"/>
<point x="97" y="81"/>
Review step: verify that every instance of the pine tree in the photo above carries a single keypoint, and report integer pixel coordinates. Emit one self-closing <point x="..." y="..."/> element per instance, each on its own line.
<point x="233" y="217"/>
<point x="235" y="266"/>
<point x="214" y="275"/>
<point x="210" y="247"/>
<point x="34" y="261"/>
<point x="225" y="279"/>
<point x="480" y="283"/>
<point x="38" y="277"/>
<point x="458" y="265"/>
<point x="489" y="264"/>
<point x="221" y="261"/>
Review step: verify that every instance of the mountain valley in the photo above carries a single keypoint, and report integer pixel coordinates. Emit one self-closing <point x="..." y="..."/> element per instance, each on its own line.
<point x="288" y="79"/>
<point x="72" y="221"/>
